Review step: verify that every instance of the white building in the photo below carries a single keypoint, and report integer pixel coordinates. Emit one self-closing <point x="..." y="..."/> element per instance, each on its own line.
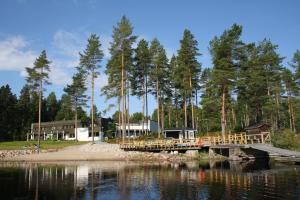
<point x="64" y="130"/>
<point x="138" y="129"/>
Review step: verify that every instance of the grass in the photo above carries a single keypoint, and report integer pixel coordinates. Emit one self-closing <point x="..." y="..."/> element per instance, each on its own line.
<point x="48" y="144"/>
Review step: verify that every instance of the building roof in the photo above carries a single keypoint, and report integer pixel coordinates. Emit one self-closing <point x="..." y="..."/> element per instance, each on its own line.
<point x="58" y="122"/>
<point x="180" y="129"/>
<point x="255" y="126"/>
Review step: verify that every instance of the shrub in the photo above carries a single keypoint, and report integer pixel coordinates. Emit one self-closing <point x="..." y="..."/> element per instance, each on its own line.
<point x="285" y="139"/>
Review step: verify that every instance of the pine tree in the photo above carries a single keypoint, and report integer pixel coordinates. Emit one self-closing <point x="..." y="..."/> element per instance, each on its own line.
<point x="25" y="111"/>
<point x="158" y="78"/>
<point x="296" y="65"/>
<point x="292" y="91"/>
<point x="89" y="64"/>
<point x="37" y="77"/>
<point x="120" y="65"/>
<point x="51" y="107"/>
<point x="224" y="55"/>
<point x="139" y="80"/>
<point x="65" y="108"/>
<point x="76" y="91"/>
<point x="8" y="118"/>
<point x="190" y="69"/>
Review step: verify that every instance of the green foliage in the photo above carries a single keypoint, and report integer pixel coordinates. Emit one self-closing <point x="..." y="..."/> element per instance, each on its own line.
<point x="65" y="112"/>
<point x="8" y="118"/>
<point x="286" y="139"/>
<point x="136" y="117"/>
<point x="39" y="73"/>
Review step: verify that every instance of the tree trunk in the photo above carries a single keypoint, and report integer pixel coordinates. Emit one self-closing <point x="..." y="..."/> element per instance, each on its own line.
<point x="197" y="112"/>
<point x="40" y="110"/>
<point x="192" y="104"/>
<point x="76" y="137"/>
<point x="158" y="118"/>
<point x="128" y="103"/>
<point x="176" y="102"/>
<point x="92" y="106"/>
<point x="143" y="108"/>
<point x="223" y="115"/>
<point x="119" y="117"/>
<point x="147" y="103"/>
<point x="162" y="114"/>
<point x="123" y="99"/>
<point x="185" y="113"/>
<point x="293" y="117"/>
<point x="277" y="110"/>
<point x="169" y="113"/>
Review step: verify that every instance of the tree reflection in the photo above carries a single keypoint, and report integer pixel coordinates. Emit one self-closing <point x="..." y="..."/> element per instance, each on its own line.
<point x="210" y="180"/>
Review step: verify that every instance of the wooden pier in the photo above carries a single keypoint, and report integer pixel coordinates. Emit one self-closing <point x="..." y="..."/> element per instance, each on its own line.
<point x="233" y="146"/>
<point x="195" y="144"/>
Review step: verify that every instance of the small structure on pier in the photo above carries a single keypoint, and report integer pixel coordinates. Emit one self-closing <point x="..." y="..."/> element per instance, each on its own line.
<point x="65" y="130"/>
<point x="180" y="133"/>
<point x="137" y="129"/>
<point x="257" y="128"/>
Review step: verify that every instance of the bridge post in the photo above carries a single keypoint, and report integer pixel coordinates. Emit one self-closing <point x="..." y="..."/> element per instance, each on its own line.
<point x="262" y="138"/>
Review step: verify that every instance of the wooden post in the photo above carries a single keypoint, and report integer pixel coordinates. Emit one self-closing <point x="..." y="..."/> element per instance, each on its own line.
<point x="262" y="138"/>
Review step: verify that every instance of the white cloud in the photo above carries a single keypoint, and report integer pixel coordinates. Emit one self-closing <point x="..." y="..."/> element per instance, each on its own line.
<point x="67" y="43"/>
<point x="15" y="55"/>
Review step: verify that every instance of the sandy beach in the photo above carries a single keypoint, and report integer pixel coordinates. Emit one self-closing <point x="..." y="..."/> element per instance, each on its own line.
<point x="93" y="152"/>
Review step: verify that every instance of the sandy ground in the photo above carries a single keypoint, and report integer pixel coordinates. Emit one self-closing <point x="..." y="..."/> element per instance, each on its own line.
<point x="99" y="151"/>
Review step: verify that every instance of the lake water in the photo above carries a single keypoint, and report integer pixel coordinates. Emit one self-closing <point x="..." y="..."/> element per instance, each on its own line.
<point x="131" y="180"/>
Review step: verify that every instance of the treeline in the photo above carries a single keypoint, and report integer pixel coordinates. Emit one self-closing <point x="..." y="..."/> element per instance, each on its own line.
<point x="17" y="113"/>
<point x="247" y="84"/>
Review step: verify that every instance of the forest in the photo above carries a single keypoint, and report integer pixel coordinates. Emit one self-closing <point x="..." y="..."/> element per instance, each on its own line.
<point x="248" y="83"/>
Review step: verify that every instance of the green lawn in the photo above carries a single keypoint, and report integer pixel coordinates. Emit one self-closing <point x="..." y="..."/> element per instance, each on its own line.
<point x="16" y="145"/>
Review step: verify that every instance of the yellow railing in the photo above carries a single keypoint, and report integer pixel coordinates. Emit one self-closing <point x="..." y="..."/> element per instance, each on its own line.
<point x="230" y="139"/>
<point x="240" y="138"/>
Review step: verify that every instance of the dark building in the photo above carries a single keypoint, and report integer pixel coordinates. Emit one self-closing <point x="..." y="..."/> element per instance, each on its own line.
<point x="257" y="128"/>
<point x="180" y="133"/>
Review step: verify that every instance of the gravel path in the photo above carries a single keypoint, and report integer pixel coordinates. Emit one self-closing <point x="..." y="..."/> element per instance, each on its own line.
<point x="99" y="151"/>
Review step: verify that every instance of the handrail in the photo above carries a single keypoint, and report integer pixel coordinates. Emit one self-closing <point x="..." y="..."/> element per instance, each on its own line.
<point x="230" y="139"/>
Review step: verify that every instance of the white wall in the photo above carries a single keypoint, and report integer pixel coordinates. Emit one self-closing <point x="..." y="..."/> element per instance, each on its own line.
<point x="83" y="135"/>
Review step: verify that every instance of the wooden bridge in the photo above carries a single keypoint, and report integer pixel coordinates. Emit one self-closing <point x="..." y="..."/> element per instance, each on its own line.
<point x="234" y="146"/>
<point x="195" y="144"/>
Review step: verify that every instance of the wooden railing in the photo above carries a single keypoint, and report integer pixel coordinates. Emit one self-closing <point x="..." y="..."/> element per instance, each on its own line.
<point x="167" y="144"/>
<point x="240" y="138"/>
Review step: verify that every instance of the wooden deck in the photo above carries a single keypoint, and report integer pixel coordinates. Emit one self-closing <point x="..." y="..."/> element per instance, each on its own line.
<point x="195" y="144"/>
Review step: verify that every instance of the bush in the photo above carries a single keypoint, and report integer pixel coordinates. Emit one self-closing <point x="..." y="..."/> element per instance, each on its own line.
<point x="286" y="139"/>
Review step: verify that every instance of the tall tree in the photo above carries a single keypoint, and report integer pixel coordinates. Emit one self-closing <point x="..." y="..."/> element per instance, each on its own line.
<point x="292" y="91"/>
<point x="295" y="63"/>
<point x="76" y="91"/>
<point x="51" y="107"/>
<point x="8" y="118"/>
<point x="190" y="69"/>
<point x="224" y="56"/>
<point x="89" y="63"/>
<point x="119" y="65"/>
<point x="139" y="80"/>
<point x="37" y="76"/>
<point x="158" y="76"/>
<point x="25" y="110"/>
<point x="65" y="108"/>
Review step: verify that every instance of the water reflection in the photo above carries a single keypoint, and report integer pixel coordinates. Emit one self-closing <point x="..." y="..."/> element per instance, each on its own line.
<point x="129" y="180"/>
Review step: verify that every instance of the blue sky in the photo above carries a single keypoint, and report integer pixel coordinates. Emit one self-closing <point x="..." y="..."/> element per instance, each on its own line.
<point x="61" y="27"/>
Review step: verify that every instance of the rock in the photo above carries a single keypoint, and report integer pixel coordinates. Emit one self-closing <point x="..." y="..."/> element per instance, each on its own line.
<point x="192" y="153"/>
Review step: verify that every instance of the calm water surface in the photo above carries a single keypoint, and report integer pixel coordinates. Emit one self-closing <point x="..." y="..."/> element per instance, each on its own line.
<point x="129" y="180"/>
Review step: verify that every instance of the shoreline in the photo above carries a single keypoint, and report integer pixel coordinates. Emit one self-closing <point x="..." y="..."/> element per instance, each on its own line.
<point x="96" y="152"/>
